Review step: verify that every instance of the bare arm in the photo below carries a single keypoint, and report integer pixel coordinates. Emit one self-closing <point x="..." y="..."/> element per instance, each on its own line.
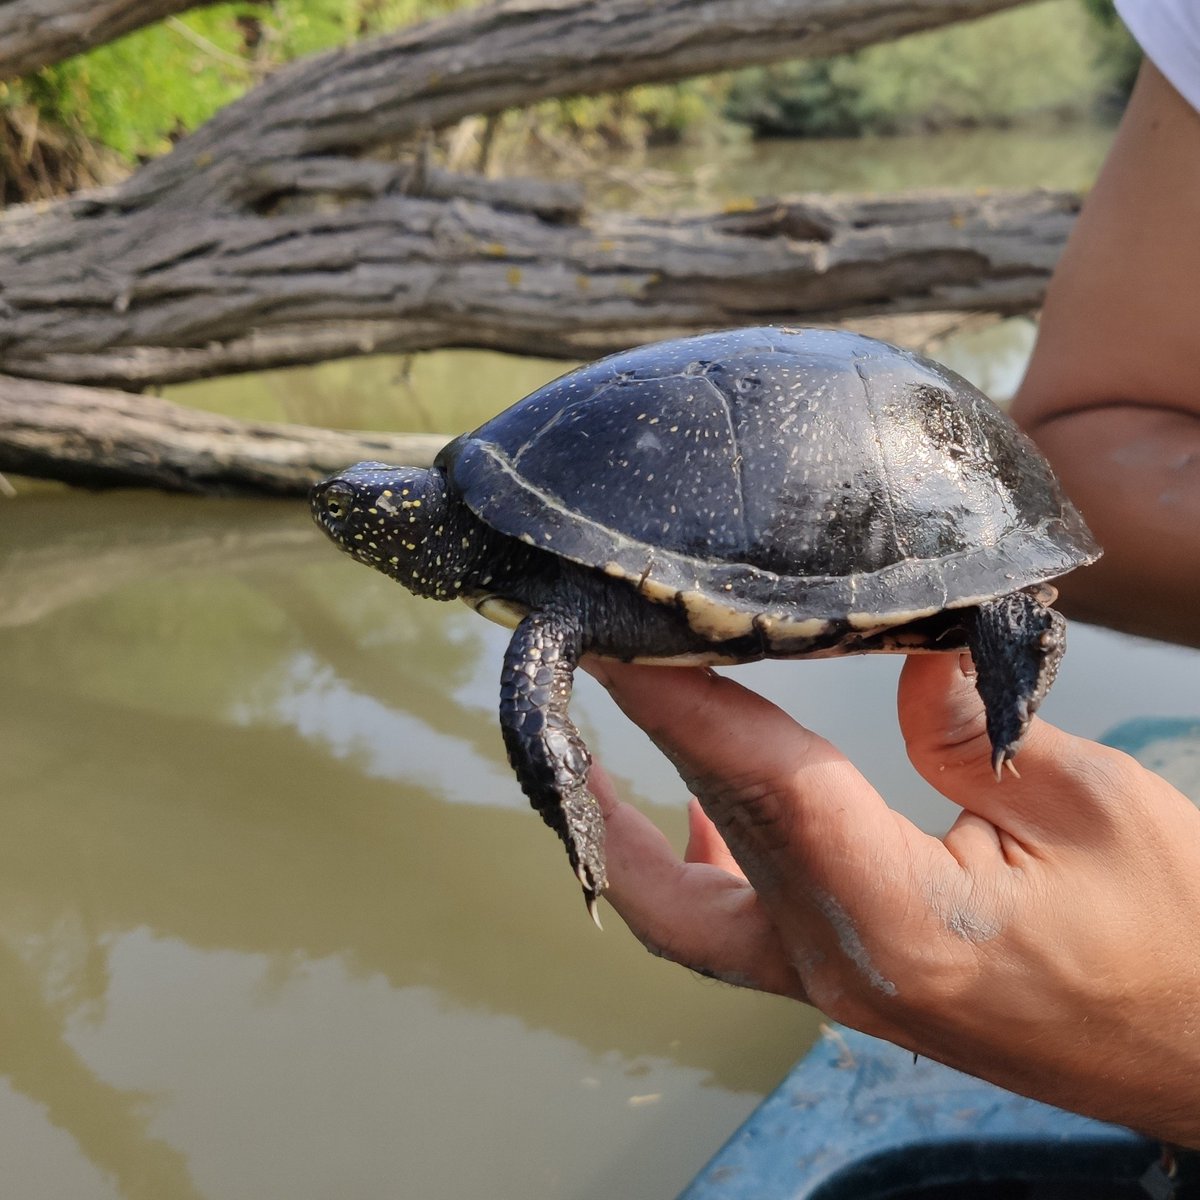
<point x="1113" y="391"/>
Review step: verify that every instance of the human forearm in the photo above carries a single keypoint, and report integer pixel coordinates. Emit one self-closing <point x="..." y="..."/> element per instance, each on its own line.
<point x="1134" y="472"/>
<point x="1112" y="394"/>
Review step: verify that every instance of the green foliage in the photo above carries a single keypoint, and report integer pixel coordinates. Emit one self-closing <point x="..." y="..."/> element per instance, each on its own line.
<point x="137" y="94"/>
<point x="999" y="69"/>
<point x="1117" y="54"/>
<point x="637" y="117"/>
<point x="134" y="94"/>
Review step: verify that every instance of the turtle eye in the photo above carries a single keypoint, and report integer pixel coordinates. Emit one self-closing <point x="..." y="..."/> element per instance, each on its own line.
<point x="338" y="502"/>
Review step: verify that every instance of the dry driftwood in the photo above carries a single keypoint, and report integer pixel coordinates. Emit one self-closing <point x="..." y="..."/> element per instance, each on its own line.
<point x="180" y="299"/>
<point x="36" y="33"/>
<point x="263" y="239"/>
<point x="107" y="439"/>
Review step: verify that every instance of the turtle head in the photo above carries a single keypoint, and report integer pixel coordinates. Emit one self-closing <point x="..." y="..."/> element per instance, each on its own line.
<point x="394" y="519"/>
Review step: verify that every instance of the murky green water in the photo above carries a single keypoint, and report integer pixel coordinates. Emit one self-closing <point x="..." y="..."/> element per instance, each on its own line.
<point x="1050" y="155"/>
<point x="274" y="918"/>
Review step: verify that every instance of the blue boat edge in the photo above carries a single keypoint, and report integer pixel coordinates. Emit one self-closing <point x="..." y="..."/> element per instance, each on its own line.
<point x="857" y="1118"/>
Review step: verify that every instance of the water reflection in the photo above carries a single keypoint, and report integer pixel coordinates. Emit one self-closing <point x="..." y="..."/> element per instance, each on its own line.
<point x="1051" y="155"/>
<point x="246" y="945"/>
<point x="219" y="914"/>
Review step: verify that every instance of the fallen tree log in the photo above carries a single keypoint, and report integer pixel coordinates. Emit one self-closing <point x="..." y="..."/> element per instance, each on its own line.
<point x="500" y="56"/>
<point x="94" y="438"/>
<point x="178" y="300"/>
<point x="265" y="238"/>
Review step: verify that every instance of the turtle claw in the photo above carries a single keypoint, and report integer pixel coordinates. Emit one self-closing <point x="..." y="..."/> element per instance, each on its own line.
<point x="1016" y="644"/>
<point x="1002" y="759"/>
<point x="590" y="894"/>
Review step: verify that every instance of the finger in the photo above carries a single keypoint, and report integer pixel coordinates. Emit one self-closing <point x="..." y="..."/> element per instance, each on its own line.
<point x="705" y="844"/>
<point x="1065" y="782"/>
<point x="797" y="816"/>
<point x="695" y="914"/>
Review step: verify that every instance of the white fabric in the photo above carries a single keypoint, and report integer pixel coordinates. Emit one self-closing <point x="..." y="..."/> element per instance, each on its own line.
<point x="1169" y="32"/>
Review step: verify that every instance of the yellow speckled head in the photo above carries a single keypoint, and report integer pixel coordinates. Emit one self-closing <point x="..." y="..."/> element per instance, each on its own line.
<point x="392" y="519"/>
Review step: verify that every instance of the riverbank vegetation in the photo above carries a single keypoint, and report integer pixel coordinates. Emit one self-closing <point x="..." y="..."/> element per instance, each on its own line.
<point x="91" y="118"/>
<point x="1054" y="59"/>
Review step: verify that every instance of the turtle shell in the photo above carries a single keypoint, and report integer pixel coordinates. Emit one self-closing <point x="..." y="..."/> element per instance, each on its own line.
<point x="794" y="476"/>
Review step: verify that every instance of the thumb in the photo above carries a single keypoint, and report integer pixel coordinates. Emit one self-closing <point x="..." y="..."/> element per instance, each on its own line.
<point x="1063" y="780"/>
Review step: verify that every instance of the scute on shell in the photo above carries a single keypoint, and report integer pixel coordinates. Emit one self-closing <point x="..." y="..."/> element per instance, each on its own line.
<point x="814" y="475"/>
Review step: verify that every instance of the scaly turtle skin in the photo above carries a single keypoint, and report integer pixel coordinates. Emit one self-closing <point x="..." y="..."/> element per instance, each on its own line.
<point x="760" y="493"/>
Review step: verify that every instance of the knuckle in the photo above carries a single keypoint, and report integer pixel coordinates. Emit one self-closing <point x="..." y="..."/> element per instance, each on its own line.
<point x="749" y="809"/>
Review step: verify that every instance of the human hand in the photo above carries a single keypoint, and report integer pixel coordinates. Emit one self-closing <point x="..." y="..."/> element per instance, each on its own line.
<point x="1050" y="942"/>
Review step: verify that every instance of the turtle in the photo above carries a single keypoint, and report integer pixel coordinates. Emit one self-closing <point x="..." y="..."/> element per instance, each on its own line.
<point x="733" y="496"/>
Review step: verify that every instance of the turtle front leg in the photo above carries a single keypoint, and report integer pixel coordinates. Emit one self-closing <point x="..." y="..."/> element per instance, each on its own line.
<point x="544" y="747"/>
<point x="1017" y="643"/>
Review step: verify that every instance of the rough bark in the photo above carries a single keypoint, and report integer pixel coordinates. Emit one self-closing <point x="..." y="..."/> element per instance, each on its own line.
<point x="37" y="33"/>
<point x="118" y="300"/>
<point x="264" y="228"/>
<point x="113" y="439"/>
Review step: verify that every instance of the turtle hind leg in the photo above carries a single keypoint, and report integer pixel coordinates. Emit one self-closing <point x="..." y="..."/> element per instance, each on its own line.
<point x="545" y="749"/>
<point x="1017" y="643"/>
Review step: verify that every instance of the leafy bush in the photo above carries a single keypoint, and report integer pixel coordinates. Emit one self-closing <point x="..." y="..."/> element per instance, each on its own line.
<point x="1117" y="54"/>
<point x="999" y="69"/>
<point x="137" y="94"/>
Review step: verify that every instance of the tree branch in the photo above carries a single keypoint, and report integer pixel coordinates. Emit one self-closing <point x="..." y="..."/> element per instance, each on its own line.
<point x="112" y="439"/>
<point x="504" y="55"/>
<point x="145" y="298"/>
<point x="269" y="238"/>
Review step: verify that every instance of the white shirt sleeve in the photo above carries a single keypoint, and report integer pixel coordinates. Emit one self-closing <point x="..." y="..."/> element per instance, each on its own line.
<point x="1169" y="32"/>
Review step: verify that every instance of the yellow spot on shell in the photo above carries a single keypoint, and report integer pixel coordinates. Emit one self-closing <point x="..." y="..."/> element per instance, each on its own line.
<point x="513" y="275"/>
<point x="496" y="249"/>
<point x="740" y="204"/>
<point x="872" y="621"/>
